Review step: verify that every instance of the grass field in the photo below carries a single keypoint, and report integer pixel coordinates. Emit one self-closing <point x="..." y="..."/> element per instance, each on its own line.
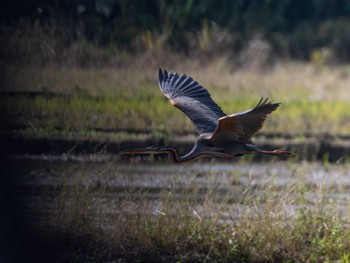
<point x="314" y="99"/>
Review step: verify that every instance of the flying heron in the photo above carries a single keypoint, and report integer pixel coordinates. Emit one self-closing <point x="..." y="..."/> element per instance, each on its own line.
<point x="220" y="135"/>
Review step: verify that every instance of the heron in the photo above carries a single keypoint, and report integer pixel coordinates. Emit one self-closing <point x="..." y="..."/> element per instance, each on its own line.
<point x="220" y="135"/>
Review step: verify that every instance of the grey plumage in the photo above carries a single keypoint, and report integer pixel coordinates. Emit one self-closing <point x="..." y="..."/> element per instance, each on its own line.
<point x="191" y="98"/>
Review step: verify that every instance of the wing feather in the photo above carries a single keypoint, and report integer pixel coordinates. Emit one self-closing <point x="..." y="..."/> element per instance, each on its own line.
<point x="243" y="125"/>
<point x="191" y="98"/>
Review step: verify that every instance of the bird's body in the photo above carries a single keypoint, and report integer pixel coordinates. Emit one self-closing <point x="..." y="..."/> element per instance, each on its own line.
<point x="220" y="135"/>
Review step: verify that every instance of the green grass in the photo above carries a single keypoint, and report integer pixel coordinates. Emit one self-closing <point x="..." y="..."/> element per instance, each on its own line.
<point x="128" y="98"/>
<point x="149" y="112"/>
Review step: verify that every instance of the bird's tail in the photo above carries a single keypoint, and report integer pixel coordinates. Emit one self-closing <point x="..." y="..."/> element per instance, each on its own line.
<point x="277" y="152"/>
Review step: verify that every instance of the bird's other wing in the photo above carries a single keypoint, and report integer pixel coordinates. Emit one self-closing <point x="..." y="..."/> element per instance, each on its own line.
<point x="191" y="98"/>
<point x="243" y="125"/>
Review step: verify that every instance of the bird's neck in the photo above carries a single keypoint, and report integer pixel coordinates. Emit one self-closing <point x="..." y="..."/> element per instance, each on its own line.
<point x="179" y="159"/>
<point x="174" y="154"/>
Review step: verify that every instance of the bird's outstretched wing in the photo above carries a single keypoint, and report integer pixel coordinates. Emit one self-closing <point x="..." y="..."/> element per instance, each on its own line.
<point x="191" y="98"/>
<point x="243" y="125"/>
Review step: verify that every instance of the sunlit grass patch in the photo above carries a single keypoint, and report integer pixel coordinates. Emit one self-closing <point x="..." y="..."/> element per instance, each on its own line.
<point x="128" y="97"/>
<point x="147" y="113"/>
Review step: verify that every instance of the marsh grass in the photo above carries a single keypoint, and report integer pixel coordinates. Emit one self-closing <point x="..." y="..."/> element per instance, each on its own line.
<point x="149" y="114"/>
<point x="256" y="223"/>
<point x="128" y="98"/>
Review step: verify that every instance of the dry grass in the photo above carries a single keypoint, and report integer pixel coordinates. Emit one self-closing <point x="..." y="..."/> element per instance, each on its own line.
<point x="252" y="223"/>
<point x="284" y="81"/>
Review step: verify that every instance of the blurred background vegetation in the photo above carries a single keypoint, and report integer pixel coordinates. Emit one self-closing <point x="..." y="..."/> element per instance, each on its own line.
<point x="71" y="30"/>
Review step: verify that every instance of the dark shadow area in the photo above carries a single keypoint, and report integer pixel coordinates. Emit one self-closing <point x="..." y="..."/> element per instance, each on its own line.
<point x="19" y="240"/>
